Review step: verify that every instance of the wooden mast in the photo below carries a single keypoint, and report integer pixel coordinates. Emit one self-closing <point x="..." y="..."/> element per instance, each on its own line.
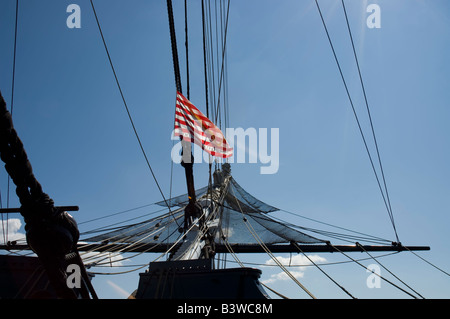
<point x="187" y="160"/>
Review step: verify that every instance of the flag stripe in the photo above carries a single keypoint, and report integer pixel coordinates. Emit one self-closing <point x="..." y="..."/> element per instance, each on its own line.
<point x="181" y="129"/>
<point x="196" y="128"/>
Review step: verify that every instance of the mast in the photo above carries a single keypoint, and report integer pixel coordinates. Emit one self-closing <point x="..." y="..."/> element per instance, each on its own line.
<point x="187" y="160"/>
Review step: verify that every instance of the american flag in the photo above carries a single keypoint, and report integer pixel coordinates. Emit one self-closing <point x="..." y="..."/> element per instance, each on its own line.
<point x="196" y="128"/>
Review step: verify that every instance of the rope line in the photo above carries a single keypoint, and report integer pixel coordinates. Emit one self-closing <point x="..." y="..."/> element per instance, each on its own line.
<point x="367" y="236"/>
<point x="275" y="292"/>
<point x="221" y="76"/>
<point x="126" y="106"/>
<point x="328" y="276"/>
<point x="101" y="257"/>
<point x="13" y="82"/>
<point x="143" y="226"/>
<point x="180" y="238"/>
<point x="441" y="270"/>
<point x="187" y="48"/>
<point x="114" y="214"/>
<point x="356" y="116"/>
<point x="322" y="264"/>
<point x="267" y="250"/>
<point x="241" y="264"/>
<point x="360" y="246"/>
<point x="391" y="215"/>
<point x="357" y="262"/>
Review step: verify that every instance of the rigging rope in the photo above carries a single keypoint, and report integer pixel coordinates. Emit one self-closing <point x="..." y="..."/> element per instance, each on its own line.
<point x="5" y="238"/>
<point x="108" y="227"/>
<point x="275" y="292"/>
<point x="204" y="60"/>
<point x="209" y="41"/>
<point x="391" y="216"/>
<point x="133" y="230"/>
<point x="6" y="231"/>
<point x="324" y="263"/>
<point x="241" y="264"/>
<point x="224" y="42"/>
<point x="373" y="272"/>
<point x="275" y="259"/>
<point x="267" y="250"/>
<point x="215" y="61"/>
<point x="375" y="259"/>
<point x="180" y="238"/>
<point x="35" y="277"/>
<point x="187" y="48"/>
<point x="328" y="276"/>
<point x="441" y="270"/>
<point x="368" y="237"/>
<point x="118" y="252"/>
<point x="205" y="71"/>
<point x="118" y="213"/>
<point x="357" y="120"/>
<point x="126" y="106"/>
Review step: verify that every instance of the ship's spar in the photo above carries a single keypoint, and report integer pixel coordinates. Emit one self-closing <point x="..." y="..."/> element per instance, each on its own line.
<point x="201" y="211"/>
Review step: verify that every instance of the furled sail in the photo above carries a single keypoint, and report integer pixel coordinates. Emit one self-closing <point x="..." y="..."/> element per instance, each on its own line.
<point x="243" y="219"/>
<point x="236" y="194"/>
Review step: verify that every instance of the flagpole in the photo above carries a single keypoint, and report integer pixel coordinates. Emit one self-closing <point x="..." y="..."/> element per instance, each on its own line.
<point x="187" y="161"/>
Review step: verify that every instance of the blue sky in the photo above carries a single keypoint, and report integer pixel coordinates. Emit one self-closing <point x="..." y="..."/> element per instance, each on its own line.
<point x="281" y="74"/>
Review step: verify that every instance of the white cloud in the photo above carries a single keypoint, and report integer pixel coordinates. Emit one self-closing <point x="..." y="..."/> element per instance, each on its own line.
<point x="282" y="276"/>
<point x="296" y="265"/>
<point x="296" y="260"/>
<point x="10" y="230"/>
